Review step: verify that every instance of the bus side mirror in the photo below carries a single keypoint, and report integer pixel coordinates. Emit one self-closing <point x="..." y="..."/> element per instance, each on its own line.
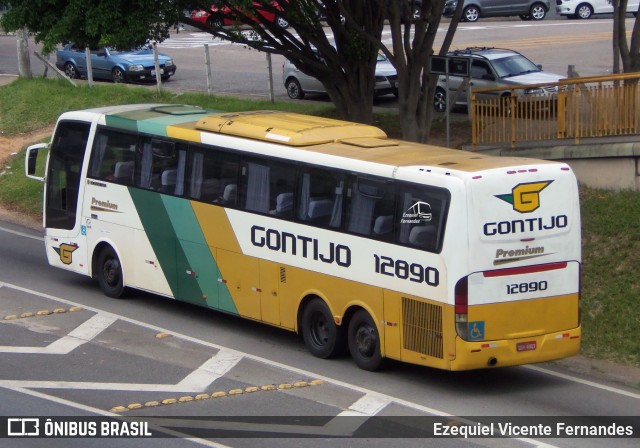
<point x="31" y="159"/>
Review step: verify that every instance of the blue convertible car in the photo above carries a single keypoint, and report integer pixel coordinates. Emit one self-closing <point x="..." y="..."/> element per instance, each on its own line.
<point x="118" y="66"/>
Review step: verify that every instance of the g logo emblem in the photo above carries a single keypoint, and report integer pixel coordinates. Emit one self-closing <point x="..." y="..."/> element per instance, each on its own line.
<point x="65" y="250"/>
<point x="525" y="198"/>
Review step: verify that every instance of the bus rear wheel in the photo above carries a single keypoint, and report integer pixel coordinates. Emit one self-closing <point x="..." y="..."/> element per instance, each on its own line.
<point x="110" y="273"/>
<point x="322" y="337"/>
<point x="364" y="341"/>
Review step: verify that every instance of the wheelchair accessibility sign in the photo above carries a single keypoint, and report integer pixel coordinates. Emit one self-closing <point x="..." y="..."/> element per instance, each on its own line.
<point x="476" y="330"/>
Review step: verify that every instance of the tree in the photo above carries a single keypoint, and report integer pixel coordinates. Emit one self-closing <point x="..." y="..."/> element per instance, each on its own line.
<point x="413" y="41"/>
<point x="346" y="68"/>
<point x="344" y="62"/>
<point x="629" y="54"/>
<point x="117" y="23"/>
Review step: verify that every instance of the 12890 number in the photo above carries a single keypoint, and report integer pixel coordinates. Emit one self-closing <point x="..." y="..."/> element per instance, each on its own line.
<point x="520" y="288"/>
<point x="407" y="271"/>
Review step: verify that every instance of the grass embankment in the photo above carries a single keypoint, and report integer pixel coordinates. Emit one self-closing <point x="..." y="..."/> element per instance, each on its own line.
<point x="610" y="230"/>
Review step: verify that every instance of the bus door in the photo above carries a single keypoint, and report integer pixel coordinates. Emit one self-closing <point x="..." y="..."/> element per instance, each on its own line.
<point x="241" y="276"/>
<point x="64" y="232"/>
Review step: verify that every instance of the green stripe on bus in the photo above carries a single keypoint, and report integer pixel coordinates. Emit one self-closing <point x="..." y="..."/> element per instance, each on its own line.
<point x="117" y="121"/>
<point x="148" y="121"/>
<point x="202" y="267"/>
<point x="177" y="240"/>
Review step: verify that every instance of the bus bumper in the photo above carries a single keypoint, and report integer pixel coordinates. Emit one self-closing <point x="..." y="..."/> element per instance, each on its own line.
<point x="514" y="352"/>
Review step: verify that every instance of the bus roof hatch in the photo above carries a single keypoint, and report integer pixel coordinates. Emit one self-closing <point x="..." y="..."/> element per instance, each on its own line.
<point x="287" y="128"/>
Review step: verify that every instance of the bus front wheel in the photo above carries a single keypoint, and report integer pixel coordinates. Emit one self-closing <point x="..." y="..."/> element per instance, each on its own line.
<point x="364" y="341"/>
<point x="110" y="273"/>
<point x="322" y="337"/>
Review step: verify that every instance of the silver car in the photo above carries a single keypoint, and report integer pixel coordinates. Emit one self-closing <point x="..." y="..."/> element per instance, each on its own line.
<point x="298" y="84"/>
<point x="472" y="10"/>
<point x="494" y="67"/>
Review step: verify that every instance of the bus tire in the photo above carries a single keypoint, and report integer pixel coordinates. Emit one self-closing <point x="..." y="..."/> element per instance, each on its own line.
<point x="322" y="337"/>
<point x="110" y="273"/>
<point x="364" y="341"/>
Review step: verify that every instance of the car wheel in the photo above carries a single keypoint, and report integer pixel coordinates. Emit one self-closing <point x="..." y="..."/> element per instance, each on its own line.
<point x="471" y="14"/>
<point x="110" y="273"/>
<point x="282" y="23"/>
<point x="294" y="90"/>
<point x="584" y="11"/>
<point x="322" y="337"/>
<point x="364" y="341"/>
<point x="537" y="12"/>
<point x="70" y="70"/>
<point x="440" y="100"/>
<point x="117" y="74"/>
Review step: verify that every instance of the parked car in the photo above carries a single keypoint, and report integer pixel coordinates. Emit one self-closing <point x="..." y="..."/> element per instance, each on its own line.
<point x="219" y="16"/>
<point x="476" y="9"/>
<point x="298" y="84"/>
<point x="581" y="9"/>
<point x="495" y="67"/>
<point x="117" y="66"/>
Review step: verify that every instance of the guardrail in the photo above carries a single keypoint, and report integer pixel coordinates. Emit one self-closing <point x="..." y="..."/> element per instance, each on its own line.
<point x="572" y="108"/>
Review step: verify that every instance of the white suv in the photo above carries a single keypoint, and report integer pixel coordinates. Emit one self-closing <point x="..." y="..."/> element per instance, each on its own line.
<point x="585" y="9"/>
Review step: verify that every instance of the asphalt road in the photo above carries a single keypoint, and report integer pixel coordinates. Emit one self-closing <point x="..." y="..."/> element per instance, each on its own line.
<point x="80" y="353"/>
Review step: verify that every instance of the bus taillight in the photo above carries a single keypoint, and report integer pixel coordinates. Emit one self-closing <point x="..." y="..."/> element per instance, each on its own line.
<point x="462" y="306"/>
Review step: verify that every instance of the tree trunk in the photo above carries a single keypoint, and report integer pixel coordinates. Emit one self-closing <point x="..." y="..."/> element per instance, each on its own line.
<point x="24" y="63"/>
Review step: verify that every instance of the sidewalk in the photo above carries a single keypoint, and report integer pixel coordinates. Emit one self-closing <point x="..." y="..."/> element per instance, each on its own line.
<point x="7" y="79"/>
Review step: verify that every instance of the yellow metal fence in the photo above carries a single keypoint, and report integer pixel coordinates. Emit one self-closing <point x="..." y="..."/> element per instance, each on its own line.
<point x="570" y="109"/>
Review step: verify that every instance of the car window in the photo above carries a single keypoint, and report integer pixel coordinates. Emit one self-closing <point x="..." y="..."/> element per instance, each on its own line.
<point x="479" y="69"/>
<point x="513" y="66"/>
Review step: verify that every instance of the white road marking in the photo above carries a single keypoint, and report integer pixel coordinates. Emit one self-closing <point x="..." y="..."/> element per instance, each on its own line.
<point x="584" y="382"/>
<point x="367" y="403"/>
<point x="211" y="370"/>
<point x="65" y="345"/>
<point x="26" y="235"/>
<point x="370" y="404"/>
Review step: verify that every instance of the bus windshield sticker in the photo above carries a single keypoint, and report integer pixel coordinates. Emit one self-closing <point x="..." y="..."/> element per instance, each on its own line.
<point x="417" y="213"/>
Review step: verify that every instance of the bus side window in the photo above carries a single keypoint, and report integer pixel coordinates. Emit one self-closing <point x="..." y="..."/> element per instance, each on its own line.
<point x="370" y="210"/>
<point x="268" y="187"/>
<point x="213" y="176"/>
<point x="321" y="197"/>
<point x="162" y="166"/>
<point x="113" y="156"/>
<point x="422" y="215"/>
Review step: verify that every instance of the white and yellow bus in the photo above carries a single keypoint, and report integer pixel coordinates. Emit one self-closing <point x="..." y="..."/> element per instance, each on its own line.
<point x="387" y="248"/>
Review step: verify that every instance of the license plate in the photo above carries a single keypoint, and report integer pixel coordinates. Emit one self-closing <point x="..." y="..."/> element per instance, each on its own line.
<point x="526" y="346"/>
<point x="153" y="72"/>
